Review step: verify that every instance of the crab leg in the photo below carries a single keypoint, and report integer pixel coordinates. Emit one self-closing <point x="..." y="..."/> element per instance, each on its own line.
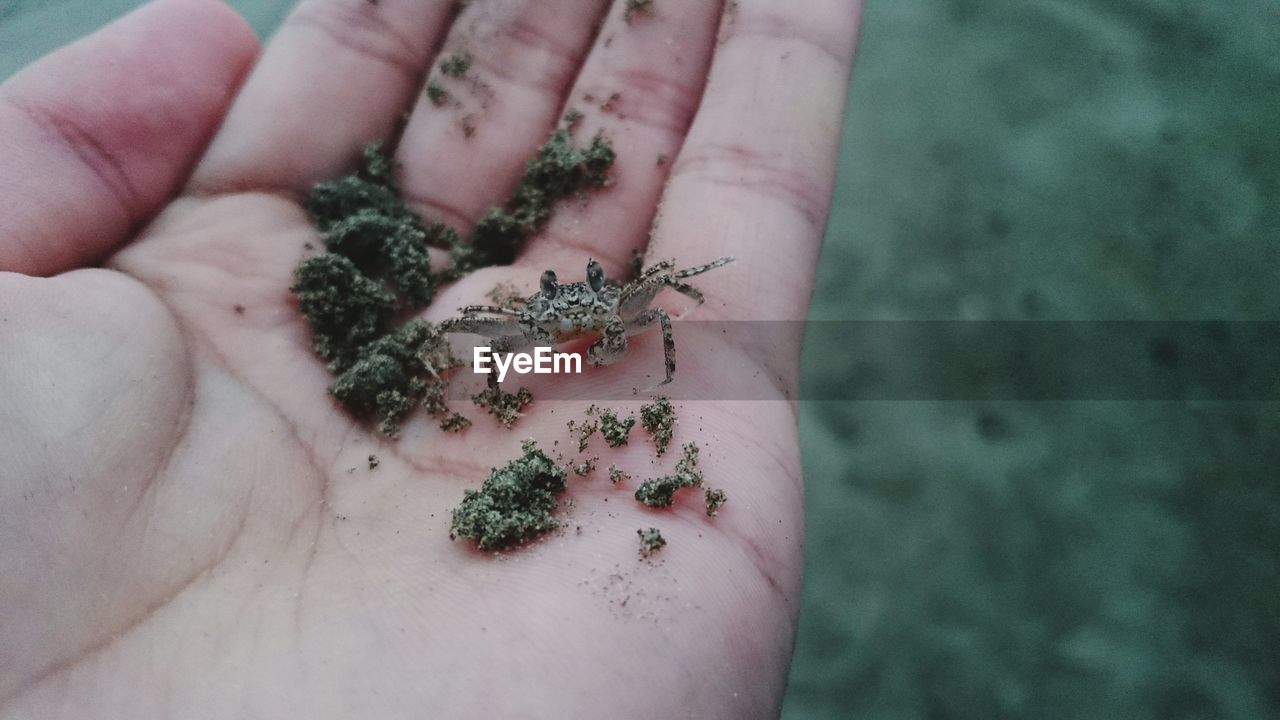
<point x="659" y="267"/>
<point x="689" y="292"/>
<point x="642" y="322"/>
<point x="640" y="293"/>
<point x="487" y="326"/>
<point x="690" y="272"/>
<point x="522" y="315"/>
<point x="637" y="296"/>
<point x="499" y="328"/>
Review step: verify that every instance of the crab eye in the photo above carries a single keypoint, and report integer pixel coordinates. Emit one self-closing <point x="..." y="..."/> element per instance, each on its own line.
<point x="595" y="275"/>
<point x="549" y="285"/>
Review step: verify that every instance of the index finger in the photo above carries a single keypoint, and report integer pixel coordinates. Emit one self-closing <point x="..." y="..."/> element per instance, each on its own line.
<point x="336" y="75"/>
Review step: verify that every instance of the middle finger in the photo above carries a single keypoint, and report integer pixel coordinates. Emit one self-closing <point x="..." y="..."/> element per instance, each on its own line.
<point x="508" y="64"/>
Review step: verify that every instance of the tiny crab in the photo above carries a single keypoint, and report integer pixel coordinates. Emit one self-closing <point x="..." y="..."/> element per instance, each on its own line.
<point x="600" y="306"/>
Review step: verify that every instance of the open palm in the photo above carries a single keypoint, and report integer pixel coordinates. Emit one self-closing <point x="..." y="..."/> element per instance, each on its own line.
<point x="191" y="527"/>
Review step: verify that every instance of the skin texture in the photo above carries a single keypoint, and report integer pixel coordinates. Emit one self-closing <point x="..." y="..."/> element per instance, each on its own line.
<point x="191" y="527"/>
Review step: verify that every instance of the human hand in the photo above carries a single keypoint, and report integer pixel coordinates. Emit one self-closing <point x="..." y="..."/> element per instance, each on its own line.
<point x="183" y="535"/>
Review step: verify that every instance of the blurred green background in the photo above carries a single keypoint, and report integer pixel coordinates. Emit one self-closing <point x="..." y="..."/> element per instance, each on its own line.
<point x="1039" y="160"/>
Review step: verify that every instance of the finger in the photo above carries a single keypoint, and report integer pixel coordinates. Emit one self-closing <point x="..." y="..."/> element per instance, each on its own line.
<point x="754" y="177"/>
<point x="336" y="75"/>
<point x="467" y="141"/>
<point x="98" y="135"/>
<point x="640" y="87"/>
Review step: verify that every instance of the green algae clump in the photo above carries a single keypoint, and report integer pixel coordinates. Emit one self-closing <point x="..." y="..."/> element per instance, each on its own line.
<point x="456" y="65"/>
<point x="584" y="431"/>
<point x="615" y="431"/>
<point x="637" y="7"/>
<point x="436" y="93"/>
<point x="364" y="218"/>
<point x="506" y="407"/>
<point x="386" y="245"/>
<point x="346" y="309"/>
<point x="659" y="418"/>
<point x="714" y="498"/>
<point x="455" y="423"/>
<point x="660" y="492"/>
<point x="373" y="187"/>
<point x="514" y="504"/>
<point x="651" y="541"/>
<point x="390" y="375"/>
<point x="556" y="172"/>
<point x="586" y="467"/>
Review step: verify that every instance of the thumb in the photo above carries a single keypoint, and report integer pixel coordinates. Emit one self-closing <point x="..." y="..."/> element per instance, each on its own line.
<point x="97" y="136"/>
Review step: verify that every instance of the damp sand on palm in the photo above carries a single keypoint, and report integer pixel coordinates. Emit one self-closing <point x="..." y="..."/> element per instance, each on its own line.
<point x="517" y="500"/>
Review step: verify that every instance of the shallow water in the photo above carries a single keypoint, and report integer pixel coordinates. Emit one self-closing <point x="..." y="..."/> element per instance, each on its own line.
<point x="1048" y="161"/>
<point x="1027" y="160"/>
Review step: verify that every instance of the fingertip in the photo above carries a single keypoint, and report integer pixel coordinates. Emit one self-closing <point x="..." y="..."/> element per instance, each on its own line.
<point x="173" y="38"/>
<point x="201" y="77"/>
<point x="225" y="30"/>
<point x="203" y="48"/>
<point x="100" y="134"/>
